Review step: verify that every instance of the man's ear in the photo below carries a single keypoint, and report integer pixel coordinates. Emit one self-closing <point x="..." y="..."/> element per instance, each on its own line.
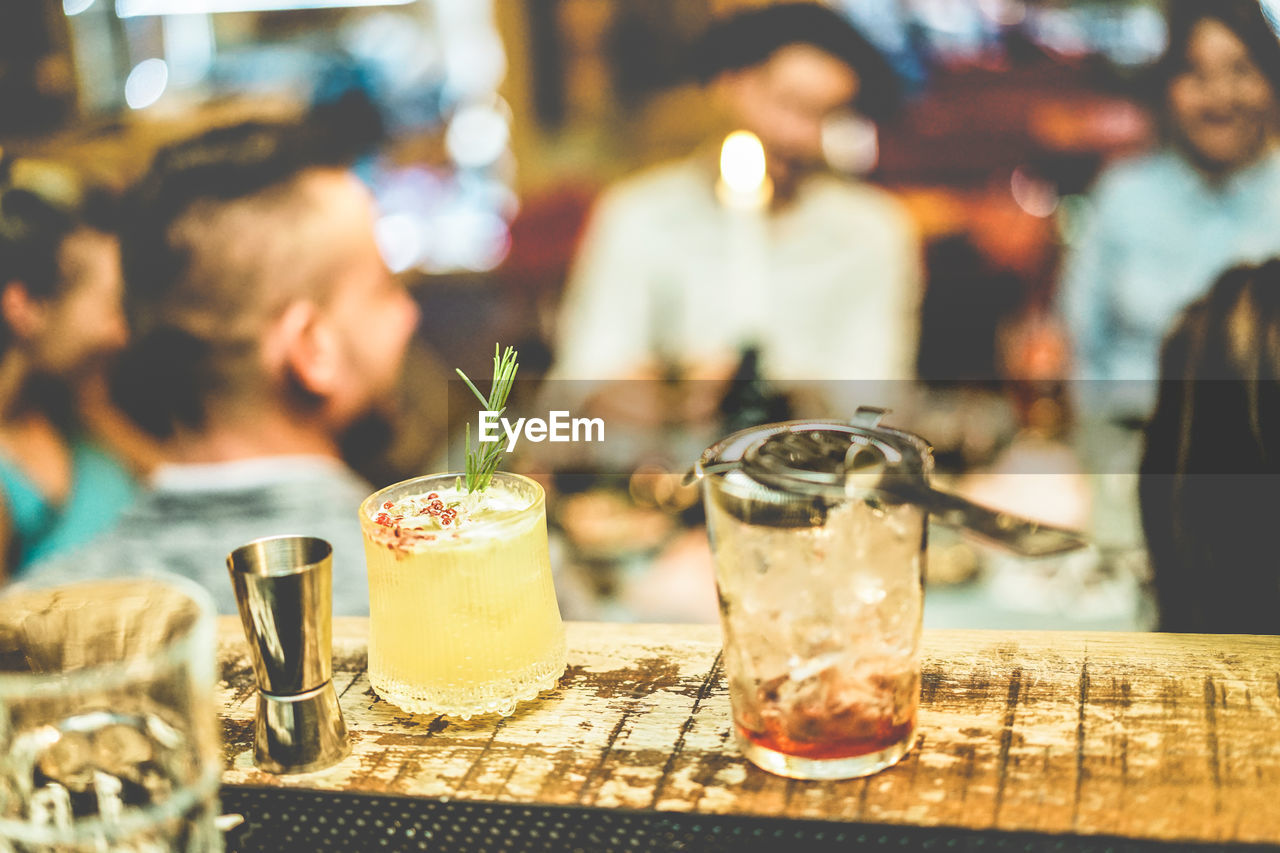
<point x="24" y="315"/>
<point x="302" y="345"/>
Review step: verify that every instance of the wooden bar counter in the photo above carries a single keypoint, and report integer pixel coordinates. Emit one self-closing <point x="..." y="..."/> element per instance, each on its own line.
<point x="1142" y="736"/>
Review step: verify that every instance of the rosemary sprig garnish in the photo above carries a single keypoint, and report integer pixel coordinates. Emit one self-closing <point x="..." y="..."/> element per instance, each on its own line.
<point x="483" y="461"/>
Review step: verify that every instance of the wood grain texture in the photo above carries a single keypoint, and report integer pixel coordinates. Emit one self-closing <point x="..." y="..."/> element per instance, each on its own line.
<point x="1140" y="735"/>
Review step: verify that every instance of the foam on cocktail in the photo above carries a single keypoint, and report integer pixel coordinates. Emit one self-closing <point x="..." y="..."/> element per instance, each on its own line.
<point x="414" y="521"/>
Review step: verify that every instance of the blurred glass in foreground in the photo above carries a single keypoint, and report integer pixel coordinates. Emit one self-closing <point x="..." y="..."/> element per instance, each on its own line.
<point x="107" y="725"/>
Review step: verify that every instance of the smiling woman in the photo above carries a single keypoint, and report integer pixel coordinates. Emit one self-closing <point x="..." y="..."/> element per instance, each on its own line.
<point x="1162" y="227"/>
<point x="1165" y="225"/>
<point x="1221" y="76"/>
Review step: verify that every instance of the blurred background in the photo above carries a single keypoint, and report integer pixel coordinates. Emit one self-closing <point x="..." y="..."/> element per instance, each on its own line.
<point x="490" y="126"/>
<point x="487" y="128"/>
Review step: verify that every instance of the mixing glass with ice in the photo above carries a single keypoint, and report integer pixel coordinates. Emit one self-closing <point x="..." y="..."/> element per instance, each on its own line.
<point x="819" y="552"/>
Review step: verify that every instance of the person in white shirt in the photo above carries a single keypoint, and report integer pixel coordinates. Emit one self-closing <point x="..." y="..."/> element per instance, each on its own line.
<point x="825" y="280"/>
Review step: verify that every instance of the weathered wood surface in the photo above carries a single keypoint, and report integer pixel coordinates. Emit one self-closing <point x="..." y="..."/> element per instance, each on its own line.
<point x="1146" y="736"/>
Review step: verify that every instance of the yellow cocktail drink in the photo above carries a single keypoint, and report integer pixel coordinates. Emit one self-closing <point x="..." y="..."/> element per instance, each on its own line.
<point x="463" y="614"/>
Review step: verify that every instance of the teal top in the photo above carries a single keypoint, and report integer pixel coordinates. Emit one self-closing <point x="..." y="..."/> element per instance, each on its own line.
<point x="100" y="490"/>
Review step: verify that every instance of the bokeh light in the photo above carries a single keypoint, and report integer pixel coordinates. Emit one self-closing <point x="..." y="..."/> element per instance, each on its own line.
<point x="1036" y="196"/>
<point x="146" y="83"/>
<point x="477" y="135"/>
<point x="742" y="164"/>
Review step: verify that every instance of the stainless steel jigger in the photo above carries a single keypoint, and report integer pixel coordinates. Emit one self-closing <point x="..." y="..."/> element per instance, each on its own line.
<point x="284" y="589"/>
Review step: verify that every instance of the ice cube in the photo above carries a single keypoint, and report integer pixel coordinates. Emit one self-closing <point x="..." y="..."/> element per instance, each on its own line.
<point x="869" y="591"/>
<point x="106" y="789"/>
<point x="68" y="760"/>
<point x="121" y="750"/>
<point x="805" y="669"/>
<point x="51" y="806"/>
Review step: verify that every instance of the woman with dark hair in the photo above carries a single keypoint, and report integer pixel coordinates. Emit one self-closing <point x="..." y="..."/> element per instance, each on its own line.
<point x="60" y="314"/>
<point x="1210" y="483"/>
<point x="1163" y="226"/>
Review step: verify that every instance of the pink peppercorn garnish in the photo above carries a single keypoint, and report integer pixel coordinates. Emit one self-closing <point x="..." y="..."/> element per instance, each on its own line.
<point x="383" y="519"/>
<point x="388" y="505"/>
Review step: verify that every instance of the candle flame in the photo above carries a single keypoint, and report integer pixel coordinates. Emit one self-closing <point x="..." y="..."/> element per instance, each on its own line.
<point x="742" y="166"/>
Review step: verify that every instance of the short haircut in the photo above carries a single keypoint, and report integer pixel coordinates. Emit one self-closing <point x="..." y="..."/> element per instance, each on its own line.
<point x="1244" y="18"/>
<point x="750" y="38"/>
<point x="212" y="244"/>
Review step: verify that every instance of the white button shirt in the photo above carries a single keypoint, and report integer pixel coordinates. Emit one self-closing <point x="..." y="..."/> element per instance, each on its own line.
<point x="828" y="285"/>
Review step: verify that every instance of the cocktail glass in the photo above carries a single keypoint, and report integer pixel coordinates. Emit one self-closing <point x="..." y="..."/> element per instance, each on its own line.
<point x="463" y="618"/>
<point x="108" y="732"/>
<point x="819" y="579"/>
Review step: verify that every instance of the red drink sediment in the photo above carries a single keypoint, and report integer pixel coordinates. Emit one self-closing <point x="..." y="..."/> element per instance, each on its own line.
<point x="829" y="729"/>
<point x="835" y="743"/>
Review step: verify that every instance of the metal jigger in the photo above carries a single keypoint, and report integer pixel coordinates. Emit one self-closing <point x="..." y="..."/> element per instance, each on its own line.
<point x="284" y="589"/>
